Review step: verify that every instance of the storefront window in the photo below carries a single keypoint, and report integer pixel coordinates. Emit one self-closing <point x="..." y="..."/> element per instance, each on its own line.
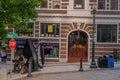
<point x="107" y="33"/>
<point x="49" y="29"/>
<point x="50" y="50"/>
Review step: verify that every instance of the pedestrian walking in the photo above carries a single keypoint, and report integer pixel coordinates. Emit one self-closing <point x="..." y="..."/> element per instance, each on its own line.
<point x="3" y="55"/>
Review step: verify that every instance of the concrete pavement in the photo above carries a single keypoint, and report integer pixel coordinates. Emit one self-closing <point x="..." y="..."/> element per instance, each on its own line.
<point x="48" y="69"/>
<point x="86" y="75"/>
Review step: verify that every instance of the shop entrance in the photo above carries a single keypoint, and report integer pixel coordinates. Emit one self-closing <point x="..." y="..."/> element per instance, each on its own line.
<point x="77" y="46"/>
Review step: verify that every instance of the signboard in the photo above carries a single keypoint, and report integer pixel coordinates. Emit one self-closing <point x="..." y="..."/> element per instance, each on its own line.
<point x="12" y="43"/>
<point x="12" y="35"/>
<point x="3" y="45"/>
<point x="50" y="28"/>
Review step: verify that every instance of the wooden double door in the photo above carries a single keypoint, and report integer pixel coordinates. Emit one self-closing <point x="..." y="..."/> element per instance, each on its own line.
<point x="77" y="46"/>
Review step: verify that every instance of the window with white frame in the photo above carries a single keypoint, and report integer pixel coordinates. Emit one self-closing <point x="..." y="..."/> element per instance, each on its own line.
<point x="101" y="4"/>
<point x="49" y="29"/>
<point x="79" y="4"/>
<point x="107" y="33"/>
<point x="44" y="4"/>
<point x="109" y="4"/>
<point x="56" y="4"/>
<point x="114" y="5"/>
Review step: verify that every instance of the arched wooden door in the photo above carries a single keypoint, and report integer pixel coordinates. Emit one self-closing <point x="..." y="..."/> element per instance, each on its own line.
<point x="77" y="46"/>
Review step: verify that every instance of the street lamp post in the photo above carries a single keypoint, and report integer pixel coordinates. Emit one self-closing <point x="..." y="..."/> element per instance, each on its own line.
<point x="93" y="63"/>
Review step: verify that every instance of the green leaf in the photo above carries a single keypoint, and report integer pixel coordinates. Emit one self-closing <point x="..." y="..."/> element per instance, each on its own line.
<point x="16" y="13"/>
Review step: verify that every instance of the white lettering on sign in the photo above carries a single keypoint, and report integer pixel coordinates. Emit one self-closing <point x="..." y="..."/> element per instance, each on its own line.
<point x="12" y="43"/>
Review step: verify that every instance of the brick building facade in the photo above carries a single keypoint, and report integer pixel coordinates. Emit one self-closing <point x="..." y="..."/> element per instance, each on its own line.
<point x="64" y="29"/>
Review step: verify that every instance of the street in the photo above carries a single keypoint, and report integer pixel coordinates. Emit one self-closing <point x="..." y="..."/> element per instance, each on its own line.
<point x="65" y="71"/>
<point x="86" y="75"/>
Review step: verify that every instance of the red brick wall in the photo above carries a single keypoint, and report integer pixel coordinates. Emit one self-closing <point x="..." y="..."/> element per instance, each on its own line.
<point x="36" y="29"/>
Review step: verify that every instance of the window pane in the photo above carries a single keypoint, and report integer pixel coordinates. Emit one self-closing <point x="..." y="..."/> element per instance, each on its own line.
<point x="106" y="33"/>
<point x="57" y="30"/>
<point x="30" y="25"/>
<point x="101" y="4"/>
<point x="42" y="28"/>
<point x="114" y="4"/>
<point x="44" y="4"/>
<point x="56" y="4"/>
<point x="79" y="4"/>
<point x="22" y="31"/>
<point x="49" y="29"/>
<point x="51" y="50"/>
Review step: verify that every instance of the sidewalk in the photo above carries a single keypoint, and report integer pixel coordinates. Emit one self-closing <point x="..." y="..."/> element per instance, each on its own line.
<point x="50" y="68"/>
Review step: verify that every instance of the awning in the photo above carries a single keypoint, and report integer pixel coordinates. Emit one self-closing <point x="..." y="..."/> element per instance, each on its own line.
<point x="50" y="43"/>
<point x="20" y="42"/>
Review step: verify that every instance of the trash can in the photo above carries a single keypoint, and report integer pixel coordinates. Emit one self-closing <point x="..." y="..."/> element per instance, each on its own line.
<point x="106" y="61"/>
<point x="110" y="62"/>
